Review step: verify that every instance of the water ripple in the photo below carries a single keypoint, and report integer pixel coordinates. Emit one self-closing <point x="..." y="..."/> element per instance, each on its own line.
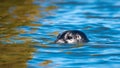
<point x="100" y="21"/>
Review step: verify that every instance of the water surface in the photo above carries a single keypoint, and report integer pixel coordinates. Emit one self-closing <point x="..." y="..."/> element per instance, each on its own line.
<point x="99" y="19"/>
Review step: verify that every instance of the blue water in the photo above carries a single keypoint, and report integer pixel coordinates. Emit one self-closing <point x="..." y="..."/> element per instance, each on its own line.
<point x="98" y="19"/>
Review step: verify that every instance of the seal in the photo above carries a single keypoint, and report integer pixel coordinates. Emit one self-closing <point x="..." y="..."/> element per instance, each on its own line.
<point x="71" y="37"/>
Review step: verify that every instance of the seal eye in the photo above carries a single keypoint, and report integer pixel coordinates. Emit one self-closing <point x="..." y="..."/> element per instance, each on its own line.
<point x="69" y="37"/>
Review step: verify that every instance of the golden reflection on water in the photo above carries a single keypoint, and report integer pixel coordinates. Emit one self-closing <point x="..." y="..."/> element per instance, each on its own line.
<point x="14" y="14"/>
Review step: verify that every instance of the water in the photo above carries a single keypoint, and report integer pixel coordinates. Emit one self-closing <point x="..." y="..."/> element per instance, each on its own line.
<point x="98" y="19"/>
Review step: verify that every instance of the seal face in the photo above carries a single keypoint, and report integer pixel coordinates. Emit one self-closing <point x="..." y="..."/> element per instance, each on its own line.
<point x="72" y="36"/>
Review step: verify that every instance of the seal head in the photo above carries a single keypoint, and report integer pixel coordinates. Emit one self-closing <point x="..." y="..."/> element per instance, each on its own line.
<point x="72" y="36"/>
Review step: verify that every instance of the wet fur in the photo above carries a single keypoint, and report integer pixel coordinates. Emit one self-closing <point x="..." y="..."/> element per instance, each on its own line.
<point x="77" y="37"/>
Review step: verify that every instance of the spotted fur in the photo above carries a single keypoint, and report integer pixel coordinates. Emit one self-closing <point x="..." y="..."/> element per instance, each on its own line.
<point x="72" y="36"/>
